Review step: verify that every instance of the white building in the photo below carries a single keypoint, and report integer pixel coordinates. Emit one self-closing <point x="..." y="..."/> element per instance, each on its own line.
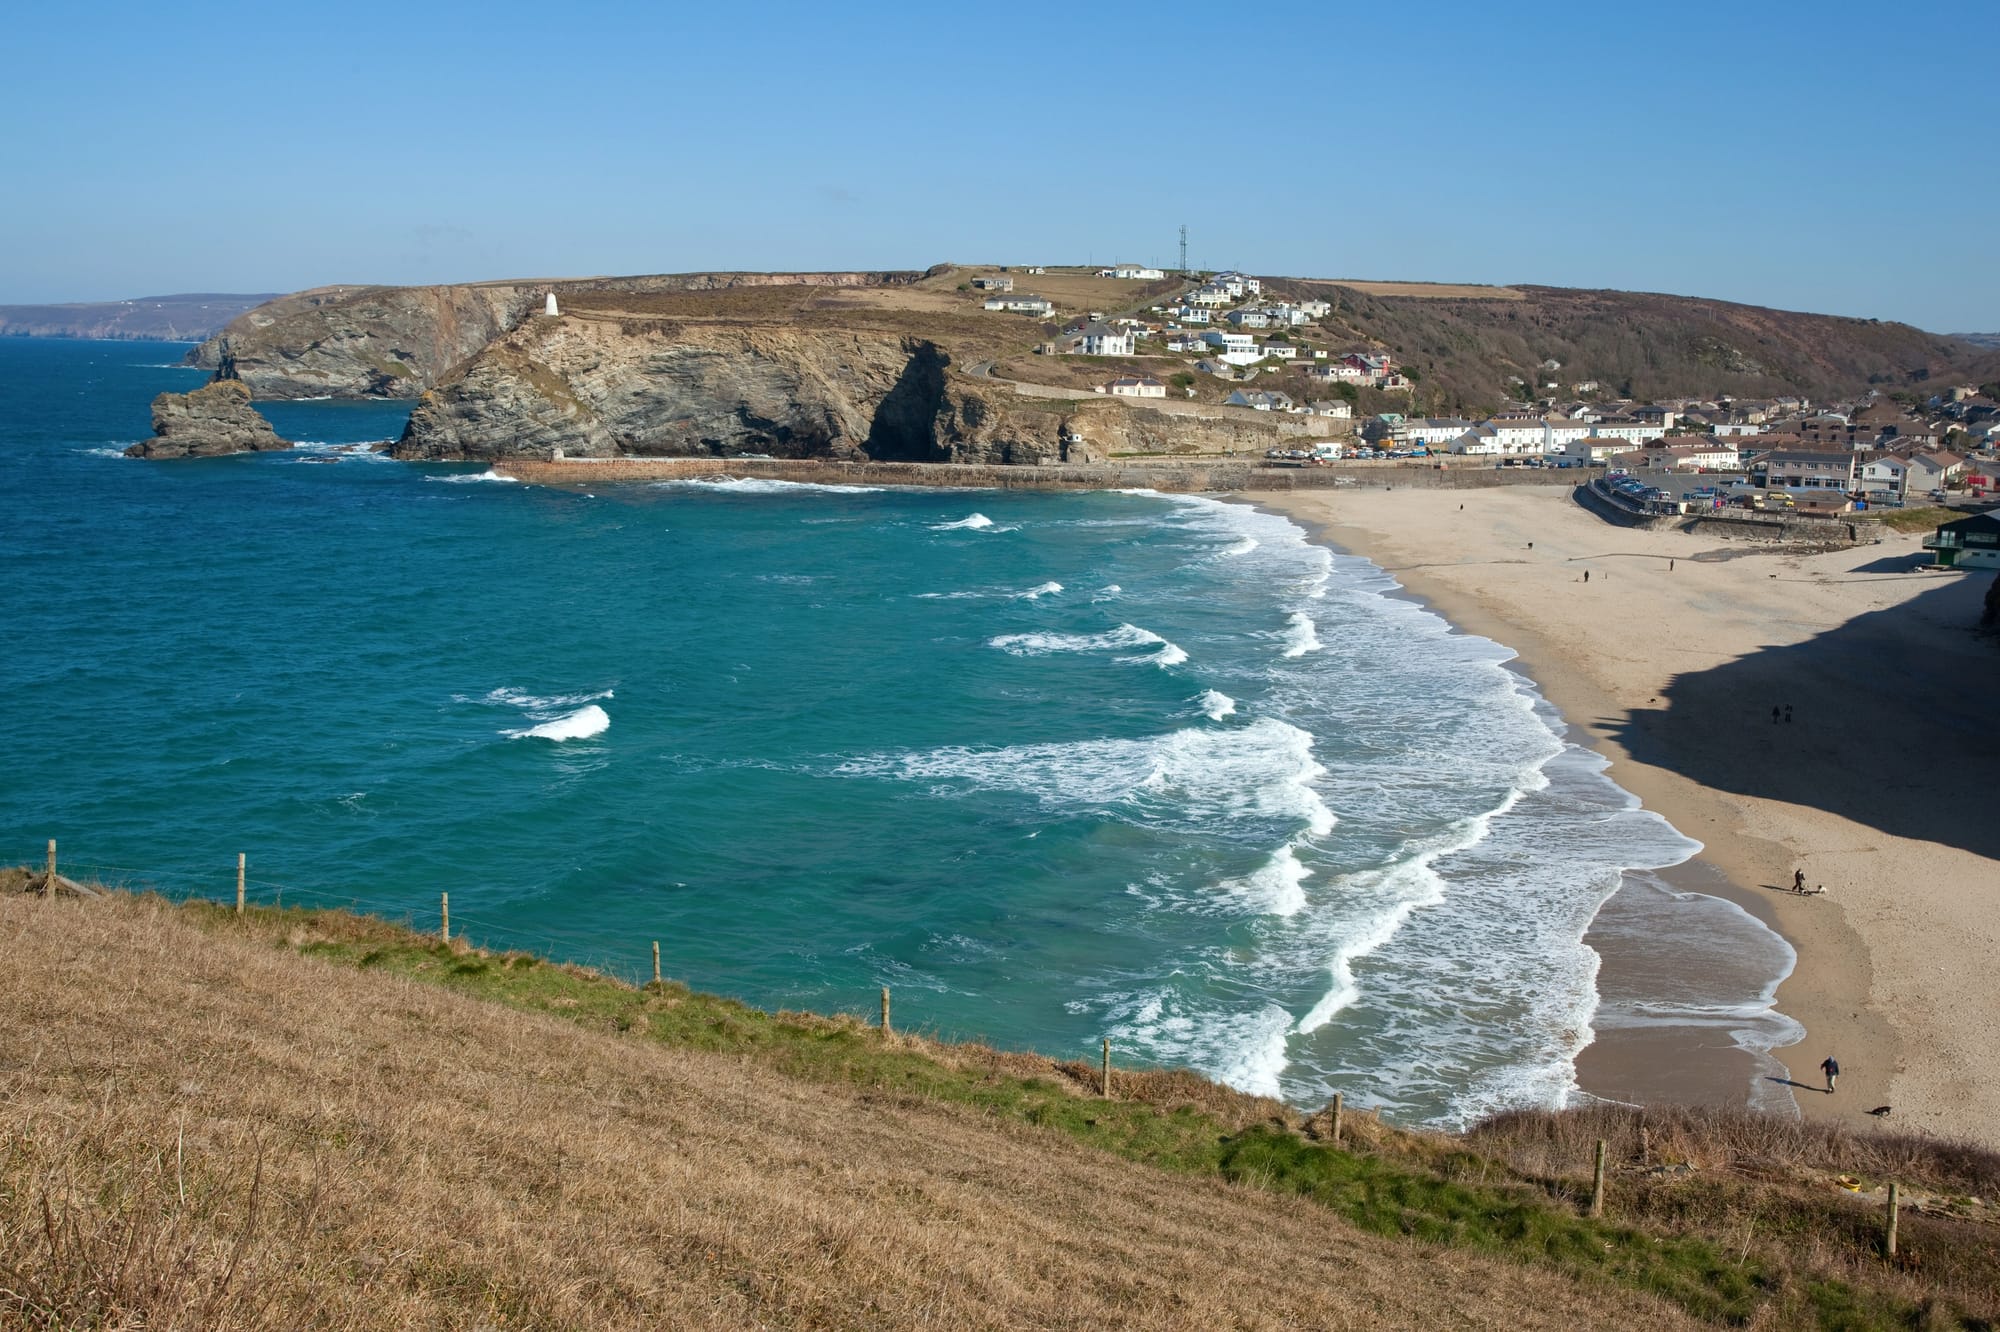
<point x="1249" y="318"/>
<point x="1239" y="343"/>
<point x="1131" y="271"/>
<point x="1186" y="342"/>
<point x="1022" y="304"/>
<point x="1134" y="386"/>
<point x="1284" y="351"/>
<point x="1191" y="314"/>
<point x="1103" y="340"/>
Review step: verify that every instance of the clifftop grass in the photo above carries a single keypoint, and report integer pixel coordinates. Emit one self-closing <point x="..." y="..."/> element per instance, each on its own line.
<point x="1755" y="1235"/>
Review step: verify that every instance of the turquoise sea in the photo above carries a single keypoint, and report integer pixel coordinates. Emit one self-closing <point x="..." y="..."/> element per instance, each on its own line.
<point x="1053" y="766"/>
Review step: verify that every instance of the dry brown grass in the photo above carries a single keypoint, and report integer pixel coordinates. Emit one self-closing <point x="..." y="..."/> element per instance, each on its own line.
<point x="203" y="1130"/>
<point x="1437" y="291"/>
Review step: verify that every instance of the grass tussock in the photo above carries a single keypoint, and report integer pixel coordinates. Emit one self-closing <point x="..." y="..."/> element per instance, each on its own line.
<point x="308" y="1118"/>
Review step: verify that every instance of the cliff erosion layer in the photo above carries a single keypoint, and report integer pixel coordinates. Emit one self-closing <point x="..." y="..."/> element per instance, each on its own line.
<point x="607" y="387"/>
<point x="396" y="342"/>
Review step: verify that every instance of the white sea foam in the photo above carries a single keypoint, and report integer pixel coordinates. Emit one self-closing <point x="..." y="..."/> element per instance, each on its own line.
<point x="1301" y="635"/>
<point x="1200" y="778"/>
<point x="1038" y="591"/>
<point x="758" y="485"/>
<point x="579" y="725"/>
<point x="466" y="478"/>
<point x="1276" y="887"/>
<point x="1124" y="636"/>
<point x="1242" y="546"/>
<point x="974" y="522"/>
<point x="511" y="697"/>
<point x="1217" y="705"/>
<point x="104" y="452"/>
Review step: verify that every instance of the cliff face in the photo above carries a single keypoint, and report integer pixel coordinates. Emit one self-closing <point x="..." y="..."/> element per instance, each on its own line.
<point x="384" y="342"/>
<point x="213" y="420"/>
<point x="594" y="388"/>
<point x="396" y="342"/>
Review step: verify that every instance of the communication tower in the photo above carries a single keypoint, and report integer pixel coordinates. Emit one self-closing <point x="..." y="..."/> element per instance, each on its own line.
<point x="1184" y="267"/>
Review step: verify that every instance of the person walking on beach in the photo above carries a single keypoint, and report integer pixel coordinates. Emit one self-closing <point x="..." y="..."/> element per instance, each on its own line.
<point x="1788" y="714"/>
<point x="1831" y="1067"/>
<point x="1798" y="880"/>
<point x="1586" y="575"/>
<point x="1775" y="712"/>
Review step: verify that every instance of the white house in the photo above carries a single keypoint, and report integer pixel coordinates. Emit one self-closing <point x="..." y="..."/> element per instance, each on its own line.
<point x="993" y="283"/>
<point x="1284" y="351"/>
<point x="1191" y="314"/>
<point x="1134" y="386"/>
<point x="1249" y="318"/>
<point x="1886" y="475"/>
<point x="1239" y="343"/>
<point x="1103" y="340"/>
<point x="1315" y="309"/>
<point x="1186" y="342"/>
<point x="1213" y="297"/>
<point x="1131" y="271"/>
<point x="1241" y="283"/>
<point x="1435" y="431"/>
<point x="1022" y="304"/>
<point x="1334" y="407"/>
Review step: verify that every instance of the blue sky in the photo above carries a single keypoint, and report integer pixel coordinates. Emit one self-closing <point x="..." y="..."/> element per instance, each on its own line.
<point x="1825" y="156"/>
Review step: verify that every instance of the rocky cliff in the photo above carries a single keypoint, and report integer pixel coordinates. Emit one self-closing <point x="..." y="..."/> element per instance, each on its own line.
<point x="608" y="387"/>
<point x="396" y="342"/>
<point x="213" y="420"/>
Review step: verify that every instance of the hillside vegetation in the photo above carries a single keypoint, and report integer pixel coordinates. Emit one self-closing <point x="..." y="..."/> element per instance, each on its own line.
<point x="1639" y="345"/>
<point x="309" y="1119"/>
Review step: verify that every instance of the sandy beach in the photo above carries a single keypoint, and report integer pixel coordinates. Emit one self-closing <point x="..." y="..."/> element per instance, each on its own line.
<point x="1669" y="661"/>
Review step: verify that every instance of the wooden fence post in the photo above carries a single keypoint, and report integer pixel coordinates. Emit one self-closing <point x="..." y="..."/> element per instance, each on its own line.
<point x="49" y="882"/>
<point x="656" y="961"/>
<point x="1107" y="1068"/>
<point x="1336" y="1119"/>
<point x="444" y="914"/>
<point x="1895" y="1205"/>
<point x="1597" y="1182"/>
<point x="239" y="883"/>
<point x="885" y="1011"/>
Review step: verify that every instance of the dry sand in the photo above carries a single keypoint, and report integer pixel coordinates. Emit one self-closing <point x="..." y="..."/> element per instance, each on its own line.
<point x="1880" y="788"/>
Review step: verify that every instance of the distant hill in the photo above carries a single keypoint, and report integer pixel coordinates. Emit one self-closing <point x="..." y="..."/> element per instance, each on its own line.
<point x="1639" y="345"/>
<point x="1980" y="339"/>
<point x="189" y="317"/>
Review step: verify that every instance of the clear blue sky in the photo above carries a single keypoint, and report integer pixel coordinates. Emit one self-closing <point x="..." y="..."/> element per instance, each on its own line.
<point x="1825" y="156"/>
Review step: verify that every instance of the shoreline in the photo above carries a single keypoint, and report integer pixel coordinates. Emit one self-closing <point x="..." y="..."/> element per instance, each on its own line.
<point x="1474" y="568"/>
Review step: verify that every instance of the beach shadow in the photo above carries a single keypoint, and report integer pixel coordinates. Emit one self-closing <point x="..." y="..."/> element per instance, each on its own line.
<point x="1803" y="1086"/>
<point x="1888" y="714"/>
<point x="1897" y="563"/>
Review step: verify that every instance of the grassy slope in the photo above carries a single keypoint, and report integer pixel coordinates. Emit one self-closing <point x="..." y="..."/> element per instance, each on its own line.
<point x="1643" y="345"/>
<point x="413" y="1126"/>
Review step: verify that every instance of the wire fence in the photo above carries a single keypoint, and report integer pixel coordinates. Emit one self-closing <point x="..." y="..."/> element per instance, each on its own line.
<point x="216" y="882"/>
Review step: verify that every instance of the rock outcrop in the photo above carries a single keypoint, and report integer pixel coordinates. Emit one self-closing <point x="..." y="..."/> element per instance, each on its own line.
<point x="397" y="342"/>
<point x="603" y="388"/>
<point x="213" y="420"/>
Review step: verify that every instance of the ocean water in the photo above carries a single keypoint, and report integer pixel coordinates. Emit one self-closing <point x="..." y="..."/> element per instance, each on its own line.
<point x="1053" y="766"/>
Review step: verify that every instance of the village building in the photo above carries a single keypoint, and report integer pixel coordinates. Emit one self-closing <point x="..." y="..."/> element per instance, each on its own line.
<point x="1932" y="471"/>
<point x="1802" y="470"/>
<point x="1227" y="343"/>
<point x="993" y="283"/>
<point x="1134" y="386"/>
<point x="1186" y="342"/>
<point x="1969" y="543"/>
<point x="1338" y="409"/>
<point x="1102" y="340"/>
<point x="1132" y="271"/>
<point x="1884" y="474"/>
<point x="1022" y="304"/>
<point x="1259" y="400"/>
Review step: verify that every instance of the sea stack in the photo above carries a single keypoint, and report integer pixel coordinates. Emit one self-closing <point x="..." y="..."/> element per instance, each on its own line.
<point x="214" y="420"/>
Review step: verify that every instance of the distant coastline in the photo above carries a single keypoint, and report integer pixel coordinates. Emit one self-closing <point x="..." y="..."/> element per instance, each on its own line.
<point x="186" y="317"/>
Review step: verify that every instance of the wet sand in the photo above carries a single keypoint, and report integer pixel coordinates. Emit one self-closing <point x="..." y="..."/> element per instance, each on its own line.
<point x="1671" y="671"/>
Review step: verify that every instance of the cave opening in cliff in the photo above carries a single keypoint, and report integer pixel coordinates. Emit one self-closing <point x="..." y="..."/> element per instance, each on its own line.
<point x="904" y="428"/>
